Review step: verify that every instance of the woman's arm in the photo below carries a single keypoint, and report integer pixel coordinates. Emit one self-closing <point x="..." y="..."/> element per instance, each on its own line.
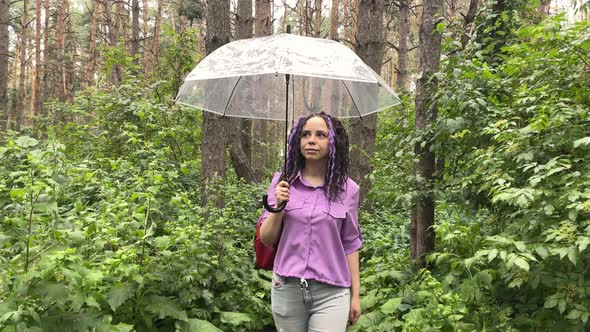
<point x="270" y="231"/>
<point x="355" y="286"/>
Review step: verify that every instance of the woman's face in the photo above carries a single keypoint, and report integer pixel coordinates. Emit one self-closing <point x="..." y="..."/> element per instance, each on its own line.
<point x="314" y="144"/>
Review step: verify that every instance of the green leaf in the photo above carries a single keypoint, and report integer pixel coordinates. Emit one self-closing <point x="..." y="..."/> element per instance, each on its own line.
<point x="197" y="325"/>
<point x="391" y="305"/>
<point x="234" y="318"/>
<point x="118" y="294"/>
<point x="164" y="307"/>
<point x="521" y="263"/>
<point x="26" y="141"/>
<point x="583" y="243"/>
<point x="572" y="255"/>
<point x="484" y="278"/>
<point x="582" y="141"/>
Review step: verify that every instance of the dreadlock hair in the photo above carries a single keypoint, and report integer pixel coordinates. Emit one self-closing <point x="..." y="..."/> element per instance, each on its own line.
<point x="338" y="158"/>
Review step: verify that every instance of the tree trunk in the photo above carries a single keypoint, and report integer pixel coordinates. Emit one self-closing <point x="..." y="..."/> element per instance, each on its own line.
<point x="468" y="21"/>
<point x="156" y="35"/>
<point x="90" y="67"/>
<point x="241" y="160"/>
<point x="426" y="113"/>
<point x="121" y="23"/>
<point x="20" y="109"/>
<point x="60" y="86"/>
<point x="260" y="141"/>
<point x="4" y="20"/>
<point x="544" y="7"/>
<point x="334" y="19"/>
<point x="318" y="18"/>
<point x="403" y="72"/>
<point x="369" y="47"/>
<point x="36" y="85"/>
<point x="146" y="49"/>
<point x="72" y="48"/>
<point x="134" y="27"/>
<point x="213" y="146"/>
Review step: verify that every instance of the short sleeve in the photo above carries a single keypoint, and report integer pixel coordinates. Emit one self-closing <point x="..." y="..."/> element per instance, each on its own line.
<point x="271" y="195"/>
<point x="351" y="234"/>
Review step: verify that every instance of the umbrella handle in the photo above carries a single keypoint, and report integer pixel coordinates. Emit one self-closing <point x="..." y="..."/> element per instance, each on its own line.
<point x="270" y="208"/>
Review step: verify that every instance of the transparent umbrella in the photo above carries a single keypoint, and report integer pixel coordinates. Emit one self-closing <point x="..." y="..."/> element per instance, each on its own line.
<point x="285" y="76"/>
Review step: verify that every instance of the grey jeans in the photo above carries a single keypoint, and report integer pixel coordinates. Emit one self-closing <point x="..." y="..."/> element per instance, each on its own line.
<point x="300" y="305"/>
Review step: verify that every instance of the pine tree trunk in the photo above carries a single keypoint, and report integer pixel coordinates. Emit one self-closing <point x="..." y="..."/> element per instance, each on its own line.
<point x="403" y="76"/>
<point x="36" y="85"/>
<point x="318" y="18"/>
<point x="239" y="129"/>
<point x="334" y="12"/>
<point x="146" y="48"/>
<point x="156" y="36"/>
<point x="60" y="86"/>
<point x="23" y="67"/>
<point x="72" y="48"/>
<point x="426" y="113"/>
<point x="260" y="142"/>
<point x="468" y="21"/>
<point x="134" y="27"/>
<point x="90" y="67"/>
<point x="213" y="146"/>
<point x="4" y="41"/>
<point x="370" y="44"/>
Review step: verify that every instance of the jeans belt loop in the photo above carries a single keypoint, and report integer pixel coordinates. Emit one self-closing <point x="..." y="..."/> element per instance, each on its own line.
<point x="304" y="283"/>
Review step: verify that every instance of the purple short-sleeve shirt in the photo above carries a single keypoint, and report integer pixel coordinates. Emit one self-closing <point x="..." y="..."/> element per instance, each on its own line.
<point x="317" y="233"/>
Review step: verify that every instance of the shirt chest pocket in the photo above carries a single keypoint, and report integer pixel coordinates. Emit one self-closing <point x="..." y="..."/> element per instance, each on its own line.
<point x="335" y="212"/>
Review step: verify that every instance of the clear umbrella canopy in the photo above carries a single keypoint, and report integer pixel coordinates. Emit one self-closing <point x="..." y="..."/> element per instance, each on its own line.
<point x="246" y="78"/>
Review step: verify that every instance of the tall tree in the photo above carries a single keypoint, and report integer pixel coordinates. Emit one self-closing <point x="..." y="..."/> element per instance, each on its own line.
<point x="403" y="72"/>
<point x="240" y="129"/>
<point x="146" y="52"/>
<point x="260" y="130"/>
<point x="23" y="66"/>
<point x="334" y="13"/>
<point x="91" y="65"/>
<point x="155" y="49"/>
<point x="421" y="229"/>
<point x="369" y="47"/>
<point x="60" y="86"/>
<point x="36" y="84"/>
<point x="134" y="27"/>
<point x="318" y="18"/>
<point x="213" y="147"/>
<point x="4" y="21"/>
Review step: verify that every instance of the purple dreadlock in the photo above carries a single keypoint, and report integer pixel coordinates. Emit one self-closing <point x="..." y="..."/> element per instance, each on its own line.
<point x="338" y="159"/>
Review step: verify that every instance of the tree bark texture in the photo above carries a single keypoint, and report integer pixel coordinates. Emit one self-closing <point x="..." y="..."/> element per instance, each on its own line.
<point x="4" y="20"/>
<point x="146" y="49"/>
<point x="134" y="27"/>
<point x="91" y="65"/>
<point x="156" y="35"/>
<point x="403" y="72"/>
<point x="213" y="139"/>
<point x="318" y="18"/>
<point x="369" y="47"/>
<point x="426" y="113"/>
<point x="334" y="12"/>
<point x="20" y="109"/>
<point x="259" y="133"/>
<point x="239" y="129"/>
<point x="36" y="85"/>
<point x="468" y="21"/>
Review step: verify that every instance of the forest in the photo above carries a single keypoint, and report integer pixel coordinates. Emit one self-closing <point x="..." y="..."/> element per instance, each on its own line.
<point x="121" y="210"/>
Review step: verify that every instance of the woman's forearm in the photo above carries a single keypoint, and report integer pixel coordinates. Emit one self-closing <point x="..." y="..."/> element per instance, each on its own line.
<point x="270" y="231"/>
<point x="355" y="279"/>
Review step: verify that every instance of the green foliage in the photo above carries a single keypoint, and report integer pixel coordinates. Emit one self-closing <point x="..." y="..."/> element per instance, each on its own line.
<point x="115" y="239"/>
<point x="515" y="139"/>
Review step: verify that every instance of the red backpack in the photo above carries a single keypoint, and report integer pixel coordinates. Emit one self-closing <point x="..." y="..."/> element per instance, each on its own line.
<point x="265" y="256"/>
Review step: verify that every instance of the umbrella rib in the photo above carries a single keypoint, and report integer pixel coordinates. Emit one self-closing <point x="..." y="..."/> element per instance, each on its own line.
<point x="231" y="95"/>
<point x="352" y="98"/>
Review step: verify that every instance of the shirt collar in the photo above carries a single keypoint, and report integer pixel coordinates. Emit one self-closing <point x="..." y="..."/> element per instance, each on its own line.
<point x="303" y="181"/>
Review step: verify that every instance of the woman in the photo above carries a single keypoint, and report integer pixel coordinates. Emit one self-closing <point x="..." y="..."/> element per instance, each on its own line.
<point x="316" y="281"/>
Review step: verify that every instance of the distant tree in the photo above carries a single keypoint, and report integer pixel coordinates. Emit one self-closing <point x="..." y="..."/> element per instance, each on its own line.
<point x="369" y="46"/>
<point x="191" y="9"/>
<point x="4" y="56"/>
<point x="23" y="66"/>
<point x="213" y="137"/>
<point x="421" y="228"/>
